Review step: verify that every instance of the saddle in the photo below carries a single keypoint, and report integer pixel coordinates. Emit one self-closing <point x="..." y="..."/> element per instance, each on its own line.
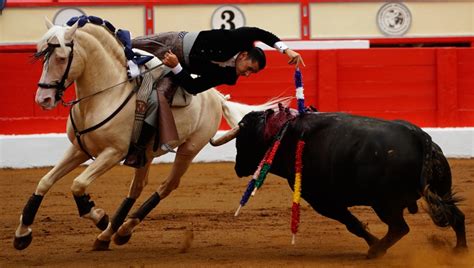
<point x="180" y="98"/>
<point x="155" y="74"/>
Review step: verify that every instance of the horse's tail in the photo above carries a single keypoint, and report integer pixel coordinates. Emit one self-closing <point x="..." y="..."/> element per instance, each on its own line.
<point x="234" y="112"/>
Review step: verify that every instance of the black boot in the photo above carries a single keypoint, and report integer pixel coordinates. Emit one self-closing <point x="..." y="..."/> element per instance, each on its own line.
<point x="136" y="156"/>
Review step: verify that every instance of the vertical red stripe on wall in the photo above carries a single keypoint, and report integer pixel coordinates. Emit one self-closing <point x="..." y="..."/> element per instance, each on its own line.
<point x="149" y="21"/>
<point x="447" y="87"/>
<point x="304" y="19"/>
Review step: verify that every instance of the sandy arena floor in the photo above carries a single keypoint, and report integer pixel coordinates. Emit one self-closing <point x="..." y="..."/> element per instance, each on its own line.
<point x="203" y="208"/>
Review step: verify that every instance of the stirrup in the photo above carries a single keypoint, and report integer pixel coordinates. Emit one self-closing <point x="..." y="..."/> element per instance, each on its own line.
<point x="167" y="148"/>
<point x="136" y="156"/>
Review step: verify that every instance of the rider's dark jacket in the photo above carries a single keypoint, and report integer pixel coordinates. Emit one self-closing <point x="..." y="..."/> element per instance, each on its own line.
<point x="216" y="46"/>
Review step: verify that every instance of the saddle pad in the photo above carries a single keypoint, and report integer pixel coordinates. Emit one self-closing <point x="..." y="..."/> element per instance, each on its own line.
<point x="181" y="97"/>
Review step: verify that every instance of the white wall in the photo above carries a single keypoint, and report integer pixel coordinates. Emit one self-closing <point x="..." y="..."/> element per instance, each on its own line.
<point x="26" y="151"/>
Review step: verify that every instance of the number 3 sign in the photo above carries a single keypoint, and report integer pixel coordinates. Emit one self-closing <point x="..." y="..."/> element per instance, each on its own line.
<point x="227" y="17"/>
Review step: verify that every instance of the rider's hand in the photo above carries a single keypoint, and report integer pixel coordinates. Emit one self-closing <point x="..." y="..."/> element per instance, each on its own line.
<point x="295" y="57"/>
<point x="170" y="59"/>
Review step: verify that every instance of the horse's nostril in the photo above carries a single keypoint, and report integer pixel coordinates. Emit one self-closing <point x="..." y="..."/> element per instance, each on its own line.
<point x="47" y="100"/>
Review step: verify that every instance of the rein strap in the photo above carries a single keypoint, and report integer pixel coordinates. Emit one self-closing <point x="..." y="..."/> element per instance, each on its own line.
<point x="78" y="133"/>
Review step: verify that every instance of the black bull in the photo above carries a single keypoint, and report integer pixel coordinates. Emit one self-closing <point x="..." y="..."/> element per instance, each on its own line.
<point x="351" y="160"/>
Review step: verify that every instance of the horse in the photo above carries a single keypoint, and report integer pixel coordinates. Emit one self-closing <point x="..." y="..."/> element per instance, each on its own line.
<point x="92" y="57"/>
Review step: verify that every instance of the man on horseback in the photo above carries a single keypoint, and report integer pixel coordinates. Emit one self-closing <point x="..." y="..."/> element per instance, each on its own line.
<point x="216" y="56"/>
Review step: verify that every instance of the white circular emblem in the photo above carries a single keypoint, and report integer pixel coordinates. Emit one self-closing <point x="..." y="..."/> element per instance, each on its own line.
<point x="227" y="17"/>
<point x="394" y="19"/>
<point x="65" y="14"/>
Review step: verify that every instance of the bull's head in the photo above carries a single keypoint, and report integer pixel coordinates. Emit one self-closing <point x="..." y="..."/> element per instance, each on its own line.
<point x="250" y="142"/>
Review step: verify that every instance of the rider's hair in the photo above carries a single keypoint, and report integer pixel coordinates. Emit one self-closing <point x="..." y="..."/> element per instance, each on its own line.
<point x="256" y="54"/>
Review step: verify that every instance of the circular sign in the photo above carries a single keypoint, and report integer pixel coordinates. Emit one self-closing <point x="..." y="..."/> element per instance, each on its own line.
<point x="394" y="19"/>
<point x="227" y="17"/>
<point x="63" y="15"/>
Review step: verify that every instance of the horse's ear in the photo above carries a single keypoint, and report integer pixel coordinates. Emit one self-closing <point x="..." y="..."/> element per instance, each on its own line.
<point x="70" y="32"/>
<point x="49" y="24"/>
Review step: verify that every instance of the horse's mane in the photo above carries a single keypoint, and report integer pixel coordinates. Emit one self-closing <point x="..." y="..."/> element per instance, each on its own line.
<point x="105" y="38"/>
<point x="234" y="111"/>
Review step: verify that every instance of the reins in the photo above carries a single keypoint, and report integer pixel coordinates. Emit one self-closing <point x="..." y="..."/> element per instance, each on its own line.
<point x="74" y="102"/>
<point x="78" y="133"/>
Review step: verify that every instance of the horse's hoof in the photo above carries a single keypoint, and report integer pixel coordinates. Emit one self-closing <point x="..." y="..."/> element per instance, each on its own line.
<point x="100" y="245"/>
<point x="121" y="239"/>
<point x="103" y="223"/>
<point x="22" y="242"/>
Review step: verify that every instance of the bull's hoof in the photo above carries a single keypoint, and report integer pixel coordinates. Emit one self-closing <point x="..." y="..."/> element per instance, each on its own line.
<point x="22" y="242"/>
<point x="460" y="249"/>
<point x="100" y="245"/>
<point x="121" y="239"/>
<point x="375" y="252"/>
<point x="103" y="223"/>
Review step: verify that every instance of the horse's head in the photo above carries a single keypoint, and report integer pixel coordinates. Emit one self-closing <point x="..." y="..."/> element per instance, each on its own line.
<point x="56" y="47"/>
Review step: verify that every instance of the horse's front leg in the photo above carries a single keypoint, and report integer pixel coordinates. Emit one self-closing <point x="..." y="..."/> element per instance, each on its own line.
<point x="181" y="163"/>
<point x="104" y="162"/>
<point x="139" y="182"/>
<point x="70" y="160"/>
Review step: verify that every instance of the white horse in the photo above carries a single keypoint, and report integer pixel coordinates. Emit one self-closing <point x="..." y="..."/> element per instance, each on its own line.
<point x="93" y="58"/>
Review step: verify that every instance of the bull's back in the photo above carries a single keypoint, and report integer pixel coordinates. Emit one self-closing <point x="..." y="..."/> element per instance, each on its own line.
<point x="362" y="159"/>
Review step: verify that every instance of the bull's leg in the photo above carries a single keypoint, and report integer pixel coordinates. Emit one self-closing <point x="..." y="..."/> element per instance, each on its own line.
<point x="397" y="228"/>
<point x="456" y="221"/>
<point x="139" y="182"/>
<point x="343" y="215"/>
<point x="71" y="159"/>
<point x="182" y="161"/>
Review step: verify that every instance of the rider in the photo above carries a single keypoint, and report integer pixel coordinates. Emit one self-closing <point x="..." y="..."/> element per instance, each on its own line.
<point x="216" y="56"/>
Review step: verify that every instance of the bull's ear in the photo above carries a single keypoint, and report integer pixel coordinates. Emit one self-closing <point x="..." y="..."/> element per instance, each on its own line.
<point x="280" y="107"/>
<point x="269" y="112"/>
<point x="49" y="24"/>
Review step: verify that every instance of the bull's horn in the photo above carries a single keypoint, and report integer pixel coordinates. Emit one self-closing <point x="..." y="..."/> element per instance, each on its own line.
<point x="228" y="136"/>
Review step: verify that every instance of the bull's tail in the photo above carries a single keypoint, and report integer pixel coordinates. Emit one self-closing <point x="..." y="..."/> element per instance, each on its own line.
<point x="442" y="209"/>
<point x="436" y="182"/>
<point x="435" y="187"/>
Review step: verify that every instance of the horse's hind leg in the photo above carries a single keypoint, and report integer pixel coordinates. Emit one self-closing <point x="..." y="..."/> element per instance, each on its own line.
<point x="139" y="182"/>
<point x="71" y="159"/>
<point x="397" y="228"/>
<point x="182" y="161"/>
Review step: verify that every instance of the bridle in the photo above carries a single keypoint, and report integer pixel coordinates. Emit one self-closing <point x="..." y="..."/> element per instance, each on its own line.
<point x="61" y="88"/>
<point x="61" y="85"/>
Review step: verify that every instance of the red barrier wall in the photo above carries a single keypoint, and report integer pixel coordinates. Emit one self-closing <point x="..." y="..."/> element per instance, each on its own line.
<point x="431" y="87"/>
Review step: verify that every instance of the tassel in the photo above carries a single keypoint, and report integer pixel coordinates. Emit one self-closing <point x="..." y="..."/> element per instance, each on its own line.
<point x="299" y="91"/>
<point x="295" y="208"/>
